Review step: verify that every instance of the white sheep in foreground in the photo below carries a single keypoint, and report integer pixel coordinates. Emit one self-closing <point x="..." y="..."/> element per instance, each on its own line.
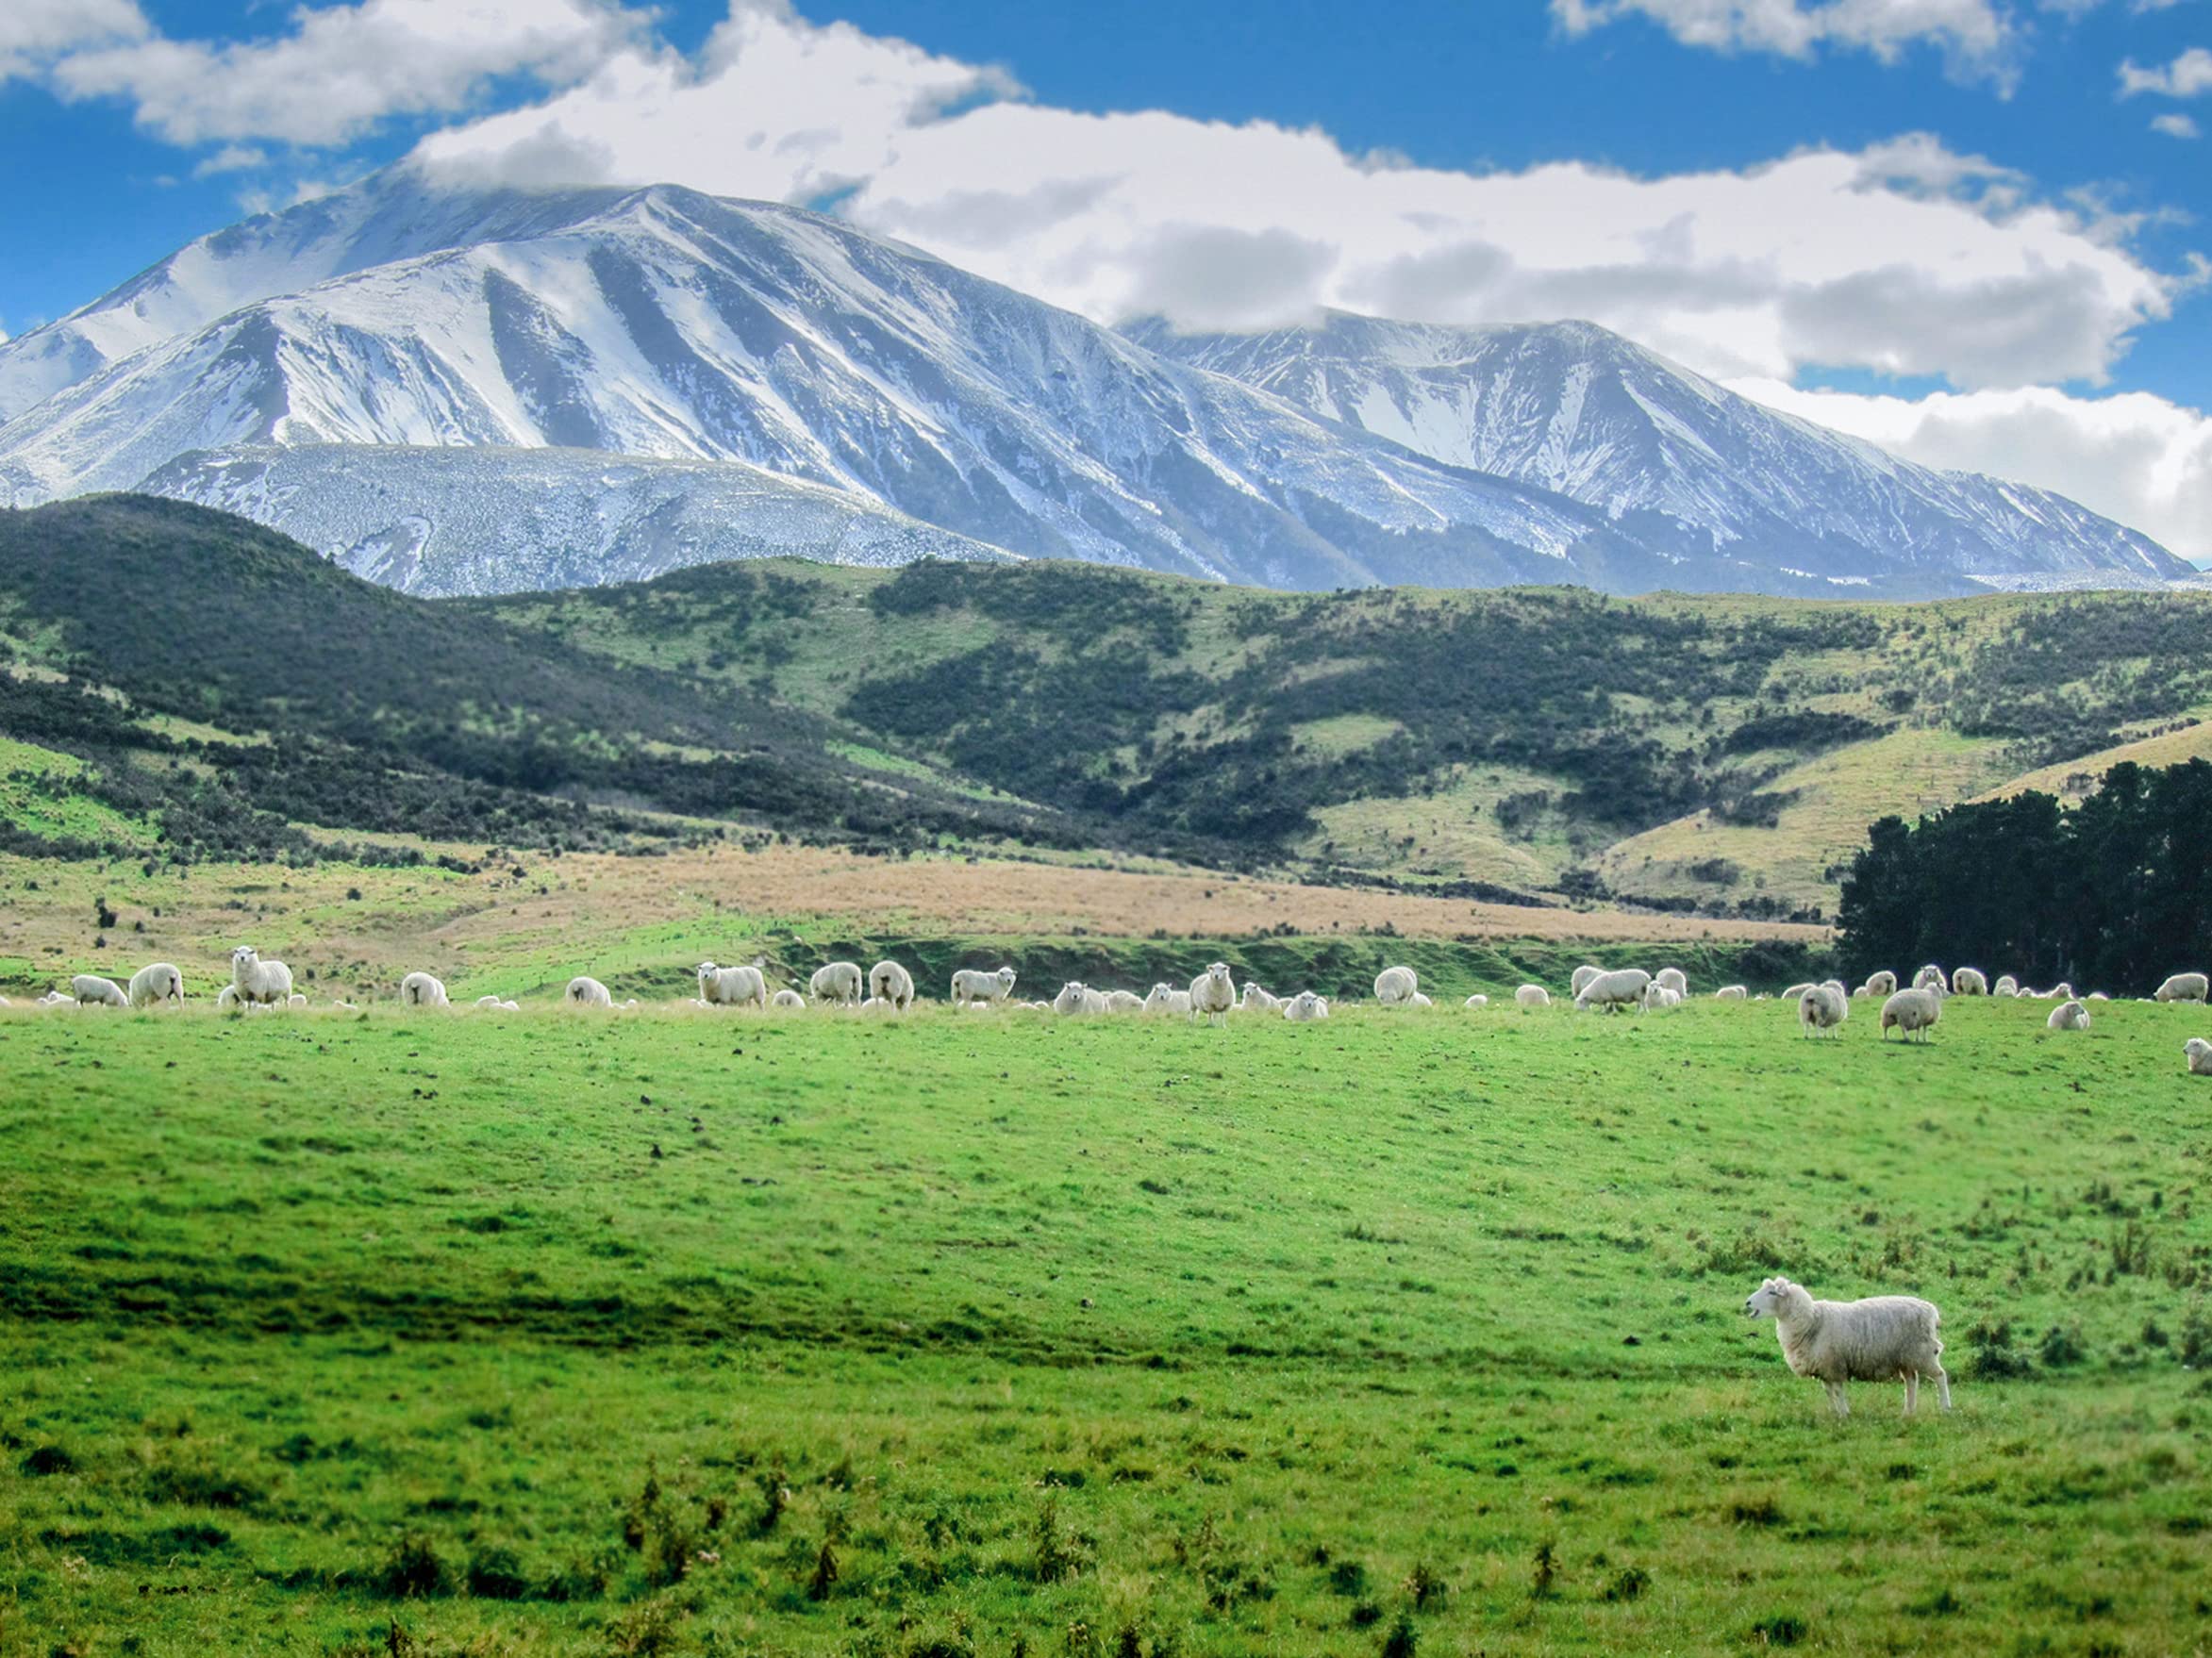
<point x="2068" y="1016"/>
<point x="586" y="991"/>
<point x="1731" y="993"/>
<point x="1124" y="1002"/>
<point x="1078" y="998"/>
<point x="1532" y="996"/>
<point x="159" y="982"/>
<point x="2181" y="987"/>
<point x="1881" y="983"/>
<point x="1304" y="1007"/>
<point x="1822" y="1007"/>
<point x="1166" y="999"/>
<point x="422" y="990"/>
<point x="787" y="1002"/>
<point x="92" y="991"/>
<point x="1622" y="988"/>
<point x="1882" y="1338"/>
<point x="2198" y="1053"/>
<point x="839" y="982"/>
<point x="2007" y="986"/>
<point x="887" y="981"/>
<point x="259" y="981"/>
<point x="972" y="984"/>
<point x="1583" y="975"/>
<point x="733" y="987"/>
<point x="1395" y="985"/>
<point x="1931" y="978"/>
<point x="1912" y="1012"/>
<point x="1213" y="994"/>
<point x="1477" y="999"/>
<point x="1672" y="979"/>
<point x="1256" y="1000"/>
<point x="1969" y="982"/>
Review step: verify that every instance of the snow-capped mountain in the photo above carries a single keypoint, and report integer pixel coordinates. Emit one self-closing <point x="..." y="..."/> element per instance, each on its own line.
<point x="1571" y="407"/>
<point x="601" y="355"/>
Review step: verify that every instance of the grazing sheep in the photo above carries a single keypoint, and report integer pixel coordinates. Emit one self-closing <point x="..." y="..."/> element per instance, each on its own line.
<point x="92" y="991"/>
<point x="1124" y="1002"/>
<point x="891" y="983"/>
<point x="733" y="987"/>
<point x="1304" y="1007"/>
<point x="1532" y="996"/>
<point x="1395" y="985"/>
<point x="1912" y="1011"/>
<point x="2096" y="996"/>
<point x="1622" y="988"/>
<point x="157" y="983"/>
<point x="1477" y="999"/>
<point x="226" y="999"/>
<point x="1931" y="978"/>
<point x="1731" y="993"/>
<point x="839" y="982"/>
<point x="2007" y="986"/>
<point x="1883" y="1338"/>
<point x="422" y="990"/>
<point x="972" y="985"/>
<point x="259" y="981"/>
<point x="1969" y="982"/>
<point x="2068" y="1016"/>
<point x="586" y="991"/>
<point x="1420" y="1000"/>
<point x="1822" y="1007"/>
<point x="787" y="1002"/>
<point x="1167" y="999"/>
<point x="1656" y="995"/>
<point x="1672" y="979"/>
<point x="1795" y="991"/>
<point x="1881" y="983"/>
<point x="1257" y="1000"/>
<point x="2198" y="1053"/>
<point x="2181" y="987"/>
<point x="1213" y="993"/>
<point x="1583" y="975"/>
<point x="1076" y="998"/>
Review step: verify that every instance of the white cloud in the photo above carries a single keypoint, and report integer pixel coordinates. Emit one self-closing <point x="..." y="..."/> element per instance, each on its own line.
<point x="2178" y="127"/>
<point x="33" y="33"/>
<point x="2132" y="456"/>
<point x="338" y="70"/>
<point x="2185" y="78"/>
<point x="1978" y="38"/>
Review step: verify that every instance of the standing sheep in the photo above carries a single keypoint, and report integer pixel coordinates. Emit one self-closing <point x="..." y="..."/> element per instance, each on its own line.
<point x="733" y="987"/>
<point x="1796" y="990"/>
<point x="259" y="981"/>
<point x="1395" y="985"/>
<point x="839" y="982"/>
<point x="1912" y="1011"/>
<point x="1672" y="979"/>
<point x="1969" y="982"/>
<point x="1931" y="978"/>
<point x="889" y="983"/>
<point x="2068" y="1016"/>
<point x="1822" y="1007"/>
<point x="1731" y="993"/>
<point x="92" y="991"/>
<point x="1304" y="1007"/>
<point x="157" y="983"/>
<point x="1213" y="993"/>
<point x="422" y="990"/>
<point x="1622" y="988"/>
<point x="226" y="999"/>
<point x="1881" y="983"/>
<point x="2007" y="986"/>
<point x="991" y="989"/>
<point x="1583" y="975"/>
<point x="1532" y="996"/>
<point x="586" y="991"/>
<point x="2181" y="987"/>
<point x="2198" y="1053"/>
<point x="1883" y="1338"/>
<point x="1167" y="999"/>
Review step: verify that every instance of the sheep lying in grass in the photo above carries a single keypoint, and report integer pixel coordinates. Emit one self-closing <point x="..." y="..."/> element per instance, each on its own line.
<point x="1672" y="979"/>
<point x="489" y="1003"/>
<point x="1969" y="982"/>
<point x="787" y="1002"/>
<point x="586" y="991"/>
<point x="1417" y="1000"/>
<point x="1657" y="996"/>
<point x="2198" y="1053"/>
<point x="1913" y="1012"/>
<point x="889" y="983"/>
<point x="2007" y="986"/>
<point x="1477" y="999"/>
<point x="92" y="991"/>
<point x="1166" y="999"/>
<point x="1395" y="985"/>
<point x="1124" y="1002"/>
<point x="1532" y="996"/>
<point x="733" y="987"/>
<point x="2068" y="1016"/>
<point x="1304" y="1007"/>
<point x="969" y="985"/>
<point x="1622" y="988"/>
<point x="1213" y="994"/>
<point x="1731" y="993"/>
<point x="156" y="984"/>
<point x="1883" y="1338"/>
<point x="226" y="999"/>
<point x="259" y="981"/>
<point x="837" y="982"/>
<point x="2181" y="987"/>
<point x="1822" y="1008"/>
<point x="422" y="990"/>
<point x="1076" y="998"/>
<point x="1257" y="1000"/>
<point x="1583" y="975"/>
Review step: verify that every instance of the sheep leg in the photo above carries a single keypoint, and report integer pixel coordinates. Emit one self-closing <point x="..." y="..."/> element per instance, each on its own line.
<point x="1942" y="1386"/>
<point x="1912" y="1391"/>
<point x="1836" y="1402"/>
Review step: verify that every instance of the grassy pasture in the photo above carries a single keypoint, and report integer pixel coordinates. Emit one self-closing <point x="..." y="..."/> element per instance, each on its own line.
<point x="713" y="1333"/>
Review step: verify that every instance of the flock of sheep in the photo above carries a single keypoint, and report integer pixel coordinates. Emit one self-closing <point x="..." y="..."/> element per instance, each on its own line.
<point x="1889" y="1338"/>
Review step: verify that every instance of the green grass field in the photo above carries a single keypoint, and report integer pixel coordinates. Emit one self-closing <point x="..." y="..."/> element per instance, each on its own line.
<point x="701" y="1333"/>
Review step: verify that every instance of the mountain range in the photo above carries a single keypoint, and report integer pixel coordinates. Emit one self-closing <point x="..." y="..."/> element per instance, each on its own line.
<point x="480" y="391"/>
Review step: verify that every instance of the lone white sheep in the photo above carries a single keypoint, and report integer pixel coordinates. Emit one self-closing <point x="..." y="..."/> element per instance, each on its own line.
<point x="1213" y="994"/>
<point x="1622" y="988"/>
<point x="2198" y="1053"/>
<point x="837" y="982"/>
<point x="586" y="991"/>
<point x="2068" y="1016"/>
<point x="159" y="983"/>
<point x="1822" y="1008"/>
<point x="1672" y="979"/>
<point x="1304" y="1007"/>
<point x="92" y="991"/>
<point x="889" y="983"/>
<point x="259" y="981"/>
<point x="990" y="988"/>
<point x="1883" y="1338"/>
<point x="1912" y="1012"/>
<point x="1395" y="985"/>
<point x="1166" y="999"/>
<point x="1532" y="996"/>
<point x="2181" y="987"/>
<point x="422" y="990"/>
<point x="733" y="987"/>
<point x="1969" y="982"/>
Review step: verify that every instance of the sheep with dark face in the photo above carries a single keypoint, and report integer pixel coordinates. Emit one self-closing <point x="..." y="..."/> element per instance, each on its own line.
<point x="422" y="990"/>
<point x="1882" y="1338"/>
<point x="585" y="991"/>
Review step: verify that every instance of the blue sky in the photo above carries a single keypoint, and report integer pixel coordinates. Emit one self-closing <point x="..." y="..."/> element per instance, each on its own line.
<point x="1950" y="225"/>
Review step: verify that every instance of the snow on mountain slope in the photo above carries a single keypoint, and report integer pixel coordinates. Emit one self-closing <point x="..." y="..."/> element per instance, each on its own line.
<point x="1571" y="407"/>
